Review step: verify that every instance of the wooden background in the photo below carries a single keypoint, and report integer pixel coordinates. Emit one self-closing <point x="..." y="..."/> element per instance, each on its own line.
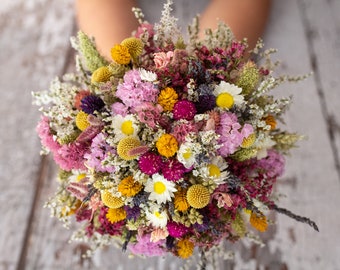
<point x="34" y="48"/>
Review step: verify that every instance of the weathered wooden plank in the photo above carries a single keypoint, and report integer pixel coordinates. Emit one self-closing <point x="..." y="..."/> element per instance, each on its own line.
<point x="289" y="245"/>
<point x="311" y="181"/>
<point x="26" y="66"/>
<point x="323" y="34"/>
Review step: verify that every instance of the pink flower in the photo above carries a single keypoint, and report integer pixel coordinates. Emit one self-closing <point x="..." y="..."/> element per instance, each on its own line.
<point x="119" y="108"/>
<point x="43" y="130"/>
<point x="162" y="59"/>
<point x="146" y="247"/>
<point x="133" y="92"/>
<point x="182" y="129"/>
<point x="145" y="28"/>
<point x="149" y="114"/>
<point x="71" y="156"/>
<point x="232" y="133"/>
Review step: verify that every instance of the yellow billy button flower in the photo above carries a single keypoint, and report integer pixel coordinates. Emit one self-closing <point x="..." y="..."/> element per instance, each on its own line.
<point x="185" y="248"/>
<point x="198" y="196"/>
<point x="128" y="187"/>
<point x="167" y="145"/>
<point x="120" y="54"/>
<point x="116" y="215"/>
<point x="101" y="74"/>
<point x="258" y="221"/>
<point x="167" y="98"/>
<point x="81" y="121"/>
<point x="125" y="145"/>
<point x="134" y="45"/>
<point x="111" y="201"/>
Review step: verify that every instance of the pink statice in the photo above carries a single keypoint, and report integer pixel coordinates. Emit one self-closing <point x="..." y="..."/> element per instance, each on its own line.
<point x="145" y="247"/>
<point x="149" y="114"/>
<point x="100" y="150"/>
<point x="119" y="108"/>
<point x="71" y="156"/>
<point x="145" y="28"/>
<point x="133" y="92"/>
<point x="273" y="164"/>
<point x="182" y="129"/>
<point x="43" y="130"/>
<point x="231" y="133"/>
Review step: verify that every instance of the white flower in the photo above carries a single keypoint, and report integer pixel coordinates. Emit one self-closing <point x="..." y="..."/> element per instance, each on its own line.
<point x="124" y="126"/>
<point x="216" y="170"/>
<point x="187" y="153"/>
<point x="161" y="190"/>
<point x="228" y="95"/>
<point x="157" y="218"/>
<point x="262" y="145"/>
<point x="148" y="76"/>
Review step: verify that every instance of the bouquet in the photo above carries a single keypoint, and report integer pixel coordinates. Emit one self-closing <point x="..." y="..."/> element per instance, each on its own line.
<point x="170" y="146"/>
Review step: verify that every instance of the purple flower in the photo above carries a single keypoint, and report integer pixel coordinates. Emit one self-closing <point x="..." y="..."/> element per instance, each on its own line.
<point x="100" y="150"/>
<point x="92" y="103"/>
<point x="150" y="163"/>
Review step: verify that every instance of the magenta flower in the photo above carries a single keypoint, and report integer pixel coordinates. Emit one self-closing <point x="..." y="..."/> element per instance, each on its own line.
<point x="184" y="109"/>
<point x="177" y="230"/>
<point x="173" y="170"/>
<point x="150" y="163"/>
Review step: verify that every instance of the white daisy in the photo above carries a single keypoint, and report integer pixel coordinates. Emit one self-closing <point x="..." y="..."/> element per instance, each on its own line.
<point x="262" y="145"/>
<point x="161" y="190"/>
<point x="157" y="217"/>
<point x="228" y="95"/>
<point x="148" y="76"/>
<point x="124" y="126"/>
<point x="216" y="170"/>
<point x="187" y="153"/>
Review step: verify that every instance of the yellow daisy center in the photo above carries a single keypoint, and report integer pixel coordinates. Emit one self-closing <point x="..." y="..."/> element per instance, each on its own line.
<point x="214" y="171"/>
<point x="159" y="187"/>
<point x="127" y="127"/>
<point x="187" y="154"/>
<point x="157" y="214"/>
<point x="225" y="100"/>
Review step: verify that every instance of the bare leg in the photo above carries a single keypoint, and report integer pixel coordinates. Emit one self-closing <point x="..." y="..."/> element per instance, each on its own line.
<point x="108" y="21"/>
<point x="246" y="18"/>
